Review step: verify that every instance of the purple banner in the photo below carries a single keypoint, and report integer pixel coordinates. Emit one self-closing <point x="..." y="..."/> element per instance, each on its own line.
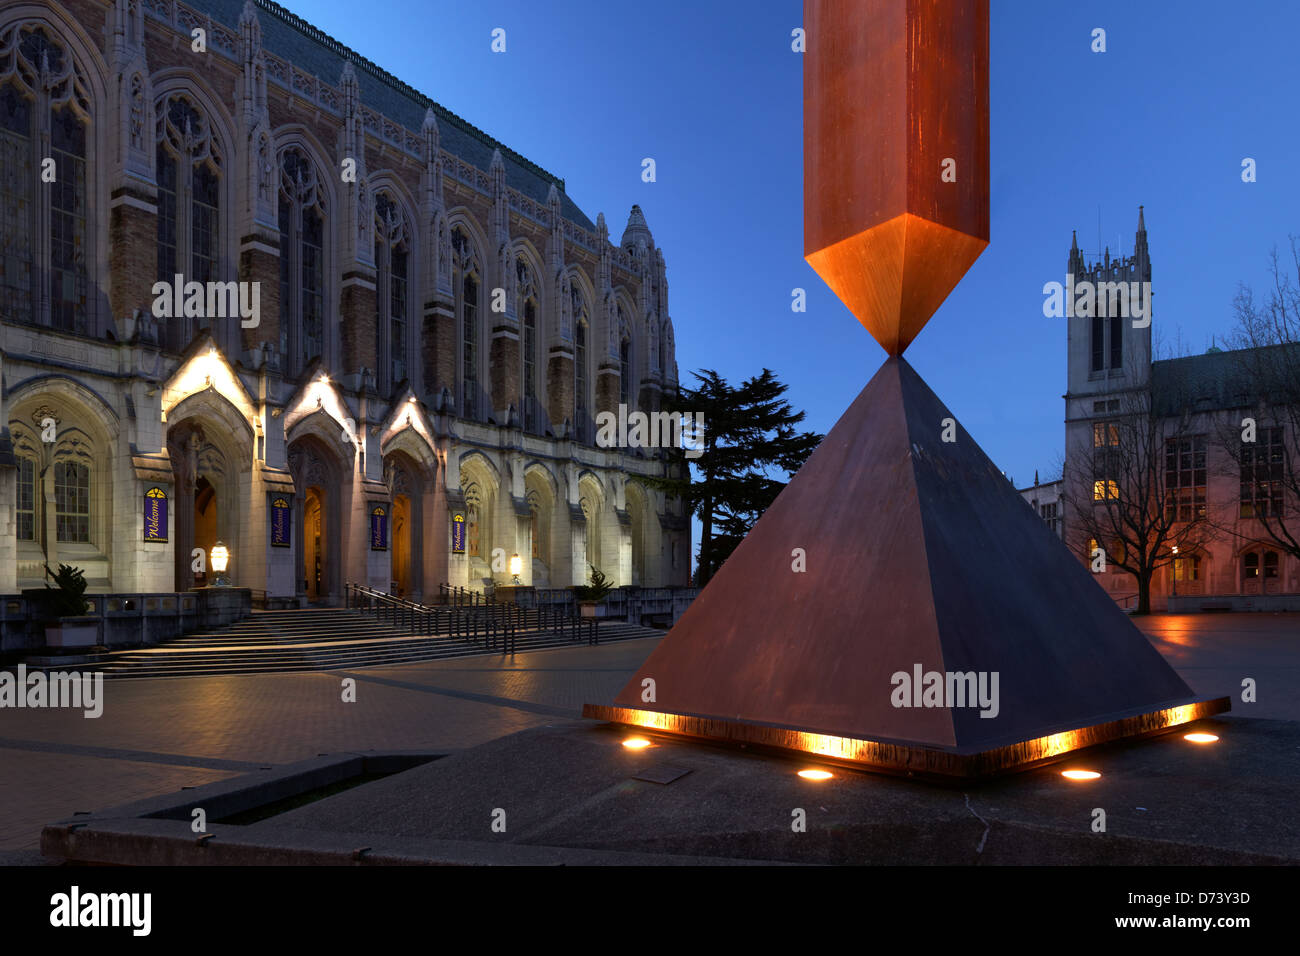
<point x="155" y="515"/>
<point x="458" y="533"/>
<point x="280" y="523"/>
<point x="378" y="528"/>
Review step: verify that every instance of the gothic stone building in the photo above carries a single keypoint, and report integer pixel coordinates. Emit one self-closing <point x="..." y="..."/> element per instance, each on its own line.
<point x="1197" y="400"/>
<point x="437" y="325"/>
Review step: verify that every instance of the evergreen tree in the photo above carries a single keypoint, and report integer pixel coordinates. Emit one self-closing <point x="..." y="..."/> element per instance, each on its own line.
<point x="751" y="447"/>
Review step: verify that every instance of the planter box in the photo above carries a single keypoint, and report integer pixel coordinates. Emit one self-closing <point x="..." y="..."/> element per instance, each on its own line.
<point x="73" y="632"/>
<point x="591" y="609"/>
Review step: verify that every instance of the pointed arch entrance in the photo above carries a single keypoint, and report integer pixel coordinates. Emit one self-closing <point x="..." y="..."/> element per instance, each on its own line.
<point x="319" y="477"/>
<point x="211" y="452"/>
<point x="410" y="483"/>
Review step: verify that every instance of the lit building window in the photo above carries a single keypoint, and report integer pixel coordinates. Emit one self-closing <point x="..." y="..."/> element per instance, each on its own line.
<point x="1105" y="461"/>
<point x="1187" y="568"/>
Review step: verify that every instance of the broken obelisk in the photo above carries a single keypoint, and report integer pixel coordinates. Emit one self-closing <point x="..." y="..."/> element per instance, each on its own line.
<point x="931" y="623"/>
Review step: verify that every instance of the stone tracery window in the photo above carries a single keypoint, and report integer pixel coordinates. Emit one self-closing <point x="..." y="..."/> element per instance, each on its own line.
<point x="302" y="261"/>
<point x="45" y="245"/>
<point x="527" y="292"/>
<point x="188" y="168"/>
<point x="26" y="499"/>
<point x="466" y="264"/>
<point x="625" y="371"/>
<point x="392" y="281"/>
<point x="581" y="369"/>
<point x="72" y="501"/>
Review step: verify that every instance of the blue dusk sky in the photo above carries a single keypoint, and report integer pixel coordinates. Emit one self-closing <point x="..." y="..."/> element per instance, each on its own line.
<point x="713" y="92"/>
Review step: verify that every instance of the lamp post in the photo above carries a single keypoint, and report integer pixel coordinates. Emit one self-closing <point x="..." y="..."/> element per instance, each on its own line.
<point x="1175" y="570"/>
<point x="220" y="557"/>
<point x="515" y="567"/>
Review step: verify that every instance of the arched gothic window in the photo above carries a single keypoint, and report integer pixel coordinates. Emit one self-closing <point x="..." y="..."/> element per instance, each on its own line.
<point x="188" y="165"/>
<point x="581" y="368"/>
<point x="391" y="304"/>
<point x="72" y="500"/>
<point x="26" y="499"/>
<point x="302" y="261"/>
<point x="625" y="371"/>
<point x="467" y="272"/>
<point x="528" y="318"/>
<point x="45" y="246"/>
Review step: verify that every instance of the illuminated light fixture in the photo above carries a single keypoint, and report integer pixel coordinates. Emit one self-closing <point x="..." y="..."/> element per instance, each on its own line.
<point x="636" y="743"/>
<point x="515" y="567"/>
<point x="220" y="557"/>
<point x="816" y="774"/>
<point x="1199" y="738"/>
<point x="325" y="379"/>
<point x="1080" y="774"/>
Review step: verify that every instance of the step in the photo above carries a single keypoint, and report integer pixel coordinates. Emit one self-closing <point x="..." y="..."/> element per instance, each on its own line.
<point x="325" y="661"/>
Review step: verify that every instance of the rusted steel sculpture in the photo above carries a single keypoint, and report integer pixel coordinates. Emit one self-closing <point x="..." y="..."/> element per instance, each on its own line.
<point x="937" y="626"/>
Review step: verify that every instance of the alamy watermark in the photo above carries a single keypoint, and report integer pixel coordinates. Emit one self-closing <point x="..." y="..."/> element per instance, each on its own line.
<point x="77" y="909"/>
<point x="212" y="300"/>
<point x="1109" y="299"/>
<point x="651" y="430"/>
<point x="56" y="689"/>
<point x="946" y="689"/>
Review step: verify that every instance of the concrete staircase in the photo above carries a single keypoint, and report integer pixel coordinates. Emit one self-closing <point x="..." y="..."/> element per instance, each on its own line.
<point x="271" y="642"/>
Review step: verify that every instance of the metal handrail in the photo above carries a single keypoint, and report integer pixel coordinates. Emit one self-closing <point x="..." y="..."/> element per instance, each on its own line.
<point x="493" y="623"/>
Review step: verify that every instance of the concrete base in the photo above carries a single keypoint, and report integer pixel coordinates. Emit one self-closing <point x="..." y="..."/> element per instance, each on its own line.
<point x="571" y="793"/>
<point x="70" y="632"/>
<point x="520" y="594"/>
<point x="1191" y="604"/>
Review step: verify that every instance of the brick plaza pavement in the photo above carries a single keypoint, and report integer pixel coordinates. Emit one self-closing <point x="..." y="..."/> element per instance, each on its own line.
<point x="159" y="735"/>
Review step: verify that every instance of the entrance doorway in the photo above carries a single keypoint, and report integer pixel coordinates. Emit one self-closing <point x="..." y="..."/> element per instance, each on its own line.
<point x="205" y="527"/>
<point x="401" y="545"/>
<point x="313" y="545"/>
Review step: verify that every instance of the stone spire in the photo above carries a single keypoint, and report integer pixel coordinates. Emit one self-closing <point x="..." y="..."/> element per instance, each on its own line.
<point x="134" y="102"/>
<point x="1074" y="264"/>
<point x="499" y="227"/>
<point x="256" y="141"/>
<point x="561" y="302"/>
<point x="435" y="213"/>
<point x="604" y="285"/>
<point x="358" y="236"/>
<point x="637" y="237"/>
<point x="1140" y="250"/>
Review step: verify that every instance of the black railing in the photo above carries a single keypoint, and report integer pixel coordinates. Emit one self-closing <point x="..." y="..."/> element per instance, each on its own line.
<point x="469" y="617"/>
